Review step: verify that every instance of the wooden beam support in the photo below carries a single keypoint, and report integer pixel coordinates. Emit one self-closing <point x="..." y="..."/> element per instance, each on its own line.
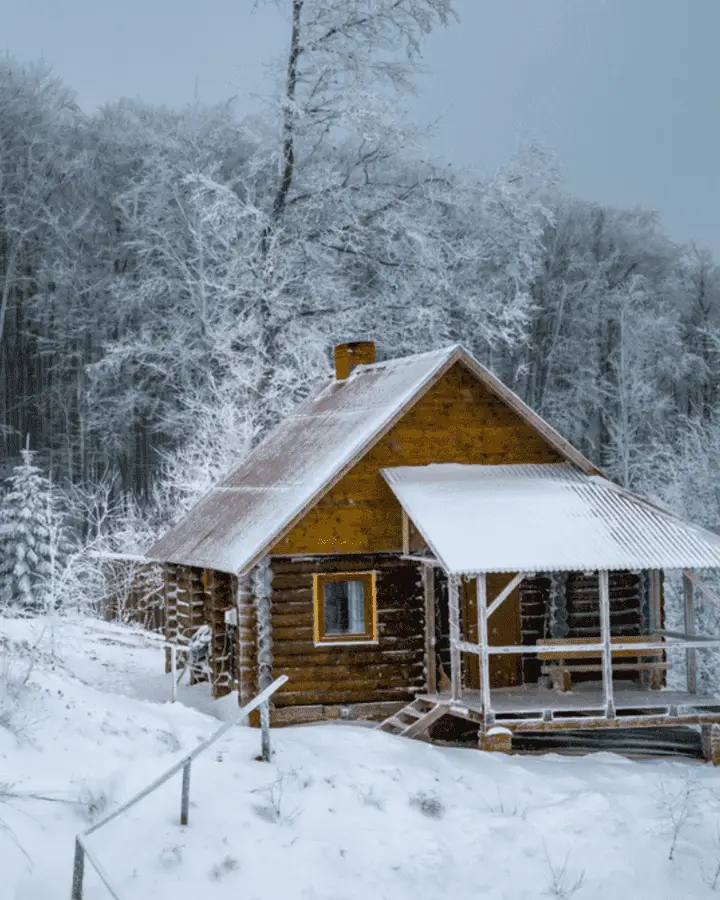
<point x="704" y="590"/>
<point x="430" y="638"/>
<point x="262" y="578"/>
<point x="405" y="533"/>
<point x="505" y="592"/>
<point x="656" y="617"/>
<point x="482" y="617"/>
<point x="698" y="643"/>
<point x="689" y="621"/>
<point x="604" y="598"/>
<point x="425" y="560"/>
<point x="454" y="616"/>
<point x="683" y="636"/>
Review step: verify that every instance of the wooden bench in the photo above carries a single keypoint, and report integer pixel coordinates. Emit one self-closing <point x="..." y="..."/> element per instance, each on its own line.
<point x="649" y="664"/>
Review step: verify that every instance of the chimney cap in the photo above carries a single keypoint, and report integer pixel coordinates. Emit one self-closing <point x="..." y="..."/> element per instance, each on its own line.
<point x="351" y="354"/>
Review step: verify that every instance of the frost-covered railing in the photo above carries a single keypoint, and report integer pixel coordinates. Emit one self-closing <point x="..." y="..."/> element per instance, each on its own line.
<point x="688" y="639"/>
<point x="83" y="852"/>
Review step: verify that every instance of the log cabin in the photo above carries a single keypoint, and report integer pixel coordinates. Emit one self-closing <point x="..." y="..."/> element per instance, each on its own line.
<point x="413" y="542"/>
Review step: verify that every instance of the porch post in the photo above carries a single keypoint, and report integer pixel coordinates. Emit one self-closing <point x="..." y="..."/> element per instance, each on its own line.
<point x="655" y="601"/>
<point x="691" y="654"/>
<point x="430" y="640"/>
<point x="604" y="588"/>
<point x="455" y="659"/>
<point x="482" y="614"/>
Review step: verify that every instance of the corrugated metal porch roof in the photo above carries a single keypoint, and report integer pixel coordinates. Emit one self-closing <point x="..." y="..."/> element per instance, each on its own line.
<point x="540" y="518"/>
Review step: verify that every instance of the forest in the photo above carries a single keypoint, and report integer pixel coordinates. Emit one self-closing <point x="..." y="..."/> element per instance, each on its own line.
<point x="173" y="281"/>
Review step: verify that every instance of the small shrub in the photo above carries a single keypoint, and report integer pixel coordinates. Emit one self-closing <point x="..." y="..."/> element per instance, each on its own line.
<point x="221" y="869"/>
<point x="169" y="740"/>
<point x="171" y="856"/>
<point x="561" y="883"/>
<point x="273" y="808"/>
<point x="369" y="798"/>
<point x="93" y="801"/>
<point x="428" y="805"/>
<point x="17" y="661"/>
<point x="503" y="808"/>
<point x="678" y="808"/>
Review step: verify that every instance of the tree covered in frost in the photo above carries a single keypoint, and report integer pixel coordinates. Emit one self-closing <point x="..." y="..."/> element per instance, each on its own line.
<point x="30" y="539"/>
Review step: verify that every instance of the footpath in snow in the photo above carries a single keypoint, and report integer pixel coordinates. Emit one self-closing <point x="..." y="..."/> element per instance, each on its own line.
<point x="342" y="813"/>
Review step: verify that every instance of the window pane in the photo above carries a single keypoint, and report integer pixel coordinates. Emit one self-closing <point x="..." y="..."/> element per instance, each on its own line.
<point x="336" y="607"/>
<point x="356" y="607"/>
<point x="344" y="603"/>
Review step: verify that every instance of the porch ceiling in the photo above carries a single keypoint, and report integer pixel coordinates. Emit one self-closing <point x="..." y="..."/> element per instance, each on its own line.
<point x="540" y="518"/>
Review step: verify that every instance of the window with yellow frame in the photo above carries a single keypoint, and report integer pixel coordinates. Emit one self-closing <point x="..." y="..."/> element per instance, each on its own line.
<point x="345" y="608"/>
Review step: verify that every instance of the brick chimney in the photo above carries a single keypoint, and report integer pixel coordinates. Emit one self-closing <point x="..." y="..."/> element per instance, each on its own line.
<point x="356" y="353"/>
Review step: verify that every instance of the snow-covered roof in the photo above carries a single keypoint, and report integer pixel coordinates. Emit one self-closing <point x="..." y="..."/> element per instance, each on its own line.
<point x="233" y="525"/>
<point x="543" y="518"/>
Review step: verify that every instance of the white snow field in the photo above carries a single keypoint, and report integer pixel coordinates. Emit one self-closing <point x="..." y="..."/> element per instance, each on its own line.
<point x="342" y="813"/>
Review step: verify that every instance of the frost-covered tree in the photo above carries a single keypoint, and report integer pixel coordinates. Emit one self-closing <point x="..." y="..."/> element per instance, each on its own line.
<point x="30" y="540"/>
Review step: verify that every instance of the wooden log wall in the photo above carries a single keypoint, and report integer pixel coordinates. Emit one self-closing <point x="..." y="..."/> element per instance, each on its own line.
<point x="579" y="615"/>
<point x="187" y="604"/>
<point x="195" y="597"/>
<point x="534" y="621"/>
<point x="172" y="626"/>
<point x="391" y="670"/>
<point x="247" y="672"/>
<point x="220" y="596"/>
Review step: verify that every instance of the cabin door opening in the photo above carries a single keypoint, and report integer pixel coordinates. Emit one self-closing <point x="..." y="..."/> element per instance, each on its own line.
<point x="503" y="630"/>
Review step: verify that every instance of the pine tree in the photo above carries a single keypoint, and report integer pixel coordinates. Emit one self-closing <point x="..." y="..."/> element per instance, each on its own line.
<point x="28" y="539"/>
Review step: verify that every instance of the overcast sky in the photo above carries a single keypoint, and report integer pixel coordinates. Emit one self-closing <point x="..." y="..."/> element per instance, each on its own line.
<point x="626" y="93"/>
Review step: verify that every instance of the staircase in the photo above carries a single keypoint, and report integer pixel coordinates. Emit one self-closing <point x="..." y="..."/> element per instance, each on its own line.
<point x="413" y="720"/>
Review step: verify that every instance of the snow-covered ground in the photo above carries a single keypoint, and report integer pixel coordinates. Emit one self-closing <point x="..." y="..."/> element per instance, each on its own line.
<point x="342" y="811"/>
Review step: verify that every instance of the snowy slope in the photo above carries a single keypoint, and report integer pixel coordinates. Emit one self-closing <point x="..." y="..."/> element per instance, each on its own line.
<point x="342" y="813"/>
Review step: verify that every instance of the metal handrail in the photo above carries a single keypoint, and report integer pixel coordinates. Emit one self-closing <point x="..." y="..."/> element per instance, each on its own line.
<point x="82" y="851"/>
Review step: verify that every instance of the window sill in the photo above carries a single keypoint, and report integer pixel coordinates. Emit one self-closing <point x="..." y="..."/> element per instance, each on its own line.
<point x="357" y="642"/>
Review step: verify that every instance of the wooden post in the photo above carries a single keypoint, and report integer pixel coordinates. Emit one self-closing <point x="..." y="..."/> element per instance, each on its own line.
<point x="690" y="654"/>
<point x="430" y="639"/>
<point x="173" y="672"/>
<point x="455" y="658"/>
<point x="482" y="615"/>
<point x="655" y="601"/>
<point x="405" y="533"/>
<point x="604" y="590"/>
<point x="262" y="578"/>
<point x="78" y="871"/>
<point x="711" y="743"/>
<point x="265" y="731"/>
<point x="185" y="796"/>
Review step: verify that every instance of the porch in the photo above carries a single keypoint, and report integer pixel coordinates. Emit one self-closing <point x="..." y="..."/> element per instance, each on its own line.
<point x="549" y="519"/>
<point x="534" y="707"/>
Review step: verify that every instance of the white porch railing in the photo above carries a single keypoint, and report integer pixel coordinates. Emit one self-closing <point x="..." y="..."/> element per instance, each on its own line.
<point x="687" y="639"/>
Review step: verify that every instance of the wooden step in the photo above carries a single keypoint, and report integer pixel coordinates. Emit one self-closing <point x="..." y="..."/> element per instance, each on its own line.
<point x="421" y="726"/>
<point x="412" y="712"/>
<point x="421" y="713"/>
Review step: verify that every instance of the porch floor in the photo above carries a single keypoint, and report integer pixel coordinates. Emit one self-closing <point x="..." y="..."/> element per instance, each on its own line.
<point x="532" y="701"/>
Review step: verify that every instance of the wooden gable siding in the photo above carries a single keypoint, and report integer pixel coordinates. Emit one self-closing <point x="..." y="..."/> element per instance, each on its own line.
<point x="390" y="670"/>
<point x="457" y="421"/>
